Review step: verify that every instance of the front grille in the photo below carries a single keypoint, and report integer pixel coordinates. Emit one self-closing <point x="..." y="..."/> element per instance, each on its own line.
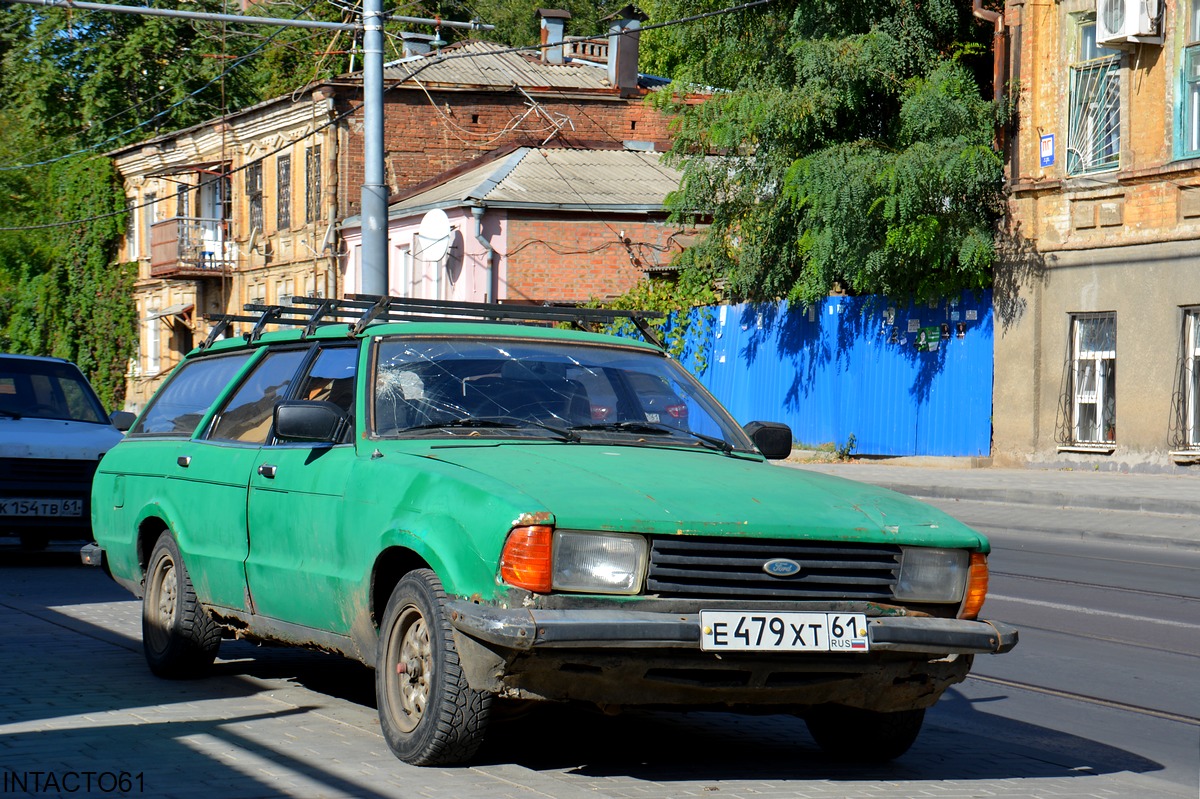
<point x="702" y="567"/>
<point x="60" y="472"/>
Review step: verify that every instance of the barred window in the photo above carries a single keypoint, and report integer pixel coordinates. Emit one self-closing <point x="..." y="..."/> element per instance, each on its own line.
<point x="254" y="195"/>
<point x="312" y="184"/>
<point x="1189" y="397"/>
<point x="283" y="192"/>
<point x="1090" y="380"/>
<point x="1094" y="124"/>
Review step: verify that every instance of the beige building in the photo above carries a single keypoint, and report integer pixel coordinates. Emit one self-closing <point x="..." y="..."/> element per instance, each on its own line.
<point x="224" y="214"/>
<point x="1098" y="301"/>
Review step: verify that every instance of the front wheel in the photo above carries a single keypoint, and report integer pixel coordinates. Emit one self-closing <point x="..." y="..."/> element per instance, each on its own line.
<point x="850" y="733"/>
<point x="429" y="715"/>
<point x="179" y="638"/>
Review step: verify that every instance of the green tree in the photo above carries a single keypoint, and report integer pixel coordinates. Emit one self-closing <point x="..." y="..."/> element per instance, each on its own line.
<point x="853" y="147"/>
<point x="74" y="84"/>
<point x="517" y="23"/>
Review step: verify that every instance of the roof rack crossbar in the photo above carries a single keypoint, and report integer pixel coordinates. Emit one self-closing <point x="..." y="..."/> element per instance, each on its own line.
<point x="358" y="311"/>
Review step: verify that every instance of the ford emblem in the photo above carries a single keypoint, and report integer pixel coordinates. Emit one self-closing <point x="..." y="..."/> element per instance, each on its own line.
<point x="781" y="567"/>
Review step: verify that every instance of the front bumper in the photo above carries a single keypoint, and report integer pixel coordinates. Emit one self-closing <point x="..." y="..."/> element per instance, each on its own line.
<point x="526" y="629"/>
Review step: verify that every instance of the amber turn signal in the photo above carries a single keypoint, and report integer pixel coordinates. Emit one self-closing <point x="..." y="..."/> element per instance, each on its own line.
<point x="525" y="561"/>
<point x="977" y="586"/>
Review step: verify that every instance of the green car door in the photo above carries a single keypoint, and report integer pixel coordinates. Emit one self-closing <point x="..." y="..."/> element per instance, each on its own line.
<point x="299" y="569"/>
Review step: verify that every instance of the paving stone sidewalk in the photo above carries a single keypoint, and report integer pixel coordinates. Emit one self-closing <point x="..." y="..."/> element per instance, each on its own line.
<point x="76" y="699"/>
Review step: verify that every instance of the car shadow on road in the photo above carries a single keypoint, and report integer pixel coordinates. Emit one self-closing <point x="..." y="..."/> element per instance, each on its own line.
<point x="661" y="746"/>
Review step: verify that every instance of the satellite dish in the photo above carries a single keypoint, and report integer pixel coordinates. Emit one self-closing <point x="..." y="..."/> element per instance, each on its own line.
<point x="433" y="237"/>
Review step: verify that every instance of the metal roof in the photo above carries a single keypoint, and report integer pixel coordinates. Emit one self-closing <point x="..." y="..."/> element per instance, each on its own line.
<point x="555" y="178"/>
<point x="490" y="65"/>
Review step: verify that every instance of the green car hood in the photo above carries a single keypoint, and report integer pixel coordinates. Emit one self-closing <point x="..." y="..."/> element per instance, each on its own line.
<point x="672" y="491"/>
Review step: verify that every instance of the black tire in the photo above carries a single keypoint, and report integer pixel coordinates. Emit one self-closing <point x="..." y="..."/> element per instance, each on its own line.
<point x="179" y="638"/>
<point x="849" y="733"/>
<point x="429" y="715"/>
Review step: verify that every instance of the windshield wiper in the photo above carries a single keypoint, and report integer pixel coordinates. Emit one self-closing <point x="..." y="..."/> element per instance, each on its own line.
<point x="493" y="422"/>
<point x="10" y="414"/>
<point x="711" y="442"/>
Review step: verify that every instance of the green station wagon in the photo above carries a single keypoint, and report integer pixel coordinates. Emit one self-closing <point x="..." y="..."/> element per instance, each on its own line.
<point x="489" y="509"/>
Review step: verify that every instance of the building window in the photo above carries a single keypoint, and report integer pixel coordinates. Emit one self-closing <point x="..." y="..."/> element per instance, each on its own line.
<point x="183" y="201"/>
<point x="254" y="195"/>
<point x="1092" y="379"/>
<point x="149" y="201"/>
<point x="131" y="228"/>
<point x="1191" y="84"/>
<point x="283" y="192"/>
<point x="284" y="290"/>
<point x="312" y="184"/>
<point x="1191" y="378"/>
<point x="1094" y="121"/>
<point x="153" y="364"/>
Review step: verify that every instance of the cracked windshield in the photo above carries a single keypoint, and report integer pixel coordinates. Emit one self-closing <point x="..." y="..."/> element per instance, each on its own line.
<point x="572" y="392"/>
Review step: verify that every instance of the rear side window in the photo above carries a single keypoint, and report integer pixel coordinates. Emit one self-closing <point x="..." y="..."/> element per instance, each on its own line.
<point x="180" y="404"/>
<point x="247" y="417"/>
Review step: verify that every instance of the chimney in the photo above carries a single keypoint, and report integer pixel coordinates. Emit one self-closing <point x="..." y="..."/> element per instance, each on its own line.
<point x="554" y="23"/>
<point x="623" y="35"/>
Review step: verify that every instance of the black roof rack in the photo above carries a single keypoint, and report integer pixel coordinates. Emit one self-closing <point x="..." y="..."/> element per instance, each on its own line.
<point x="360" y="310"/>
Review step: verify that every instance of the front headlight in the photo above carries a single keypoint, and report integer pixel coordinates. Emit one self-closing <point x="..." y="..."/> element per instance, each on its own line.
<point x="931" y="574"/>
<point x="606" y="563"/>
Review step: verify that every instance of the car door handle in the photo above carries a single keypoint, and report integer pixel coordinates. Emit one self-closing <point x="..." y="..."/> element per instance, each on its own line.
<point x="267" y="470"/>
<point x="184" y="460"/>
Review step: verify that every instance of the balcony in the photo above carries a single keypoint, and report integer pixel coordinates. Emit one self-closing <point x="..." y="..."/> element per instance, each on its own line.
<point x="186" y="247"/>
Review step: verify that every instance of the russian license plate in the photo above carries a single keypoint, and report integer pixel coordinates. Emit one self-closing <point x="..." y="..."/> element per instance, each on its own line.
<point x="41" y="507"/>
<point x="783" y="631"/>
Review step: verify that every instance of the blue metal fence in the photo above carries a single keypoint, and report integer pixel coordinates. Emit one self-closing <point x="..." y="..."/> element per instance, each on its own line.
<point x="902" y="380"/>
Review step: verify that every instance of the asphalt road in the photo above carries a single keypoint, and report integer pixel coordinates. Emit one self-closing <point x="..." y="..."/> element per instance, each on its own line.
<point x="1099" y="700"/>
<point x="1108" y="669"/>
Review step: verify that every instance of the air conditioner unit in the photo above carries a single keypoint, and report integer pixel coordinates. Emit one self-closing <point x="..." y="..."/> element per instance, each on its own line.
<point x="1122" y="22"/>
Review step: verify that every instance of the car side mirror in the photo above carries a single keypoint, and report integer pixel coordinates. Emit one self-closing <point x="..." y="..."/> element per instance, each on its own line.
<point x="309" y="420"/>
<point x="122" y="420"/>
<point x="774" y="440"/>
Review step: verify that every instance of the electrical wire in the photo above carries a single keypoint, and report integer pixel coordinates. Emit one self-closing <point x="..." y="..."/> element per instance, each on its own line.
<point x="440" y="58"/>
<point x="97" y="145"/>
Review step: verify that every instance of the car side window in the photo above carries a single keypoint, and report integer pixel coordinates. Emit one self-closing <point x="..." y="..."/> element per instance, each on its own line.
<point x="180" y="405"/>
<point x="248" y="414"/>
<point x="331" y="378"/>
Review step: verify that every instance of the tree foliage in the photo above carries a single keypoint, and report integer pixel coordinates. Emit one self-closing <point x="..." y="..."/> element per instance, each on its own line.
<point x="76" y="84"/>
<point x="853" y="148"/>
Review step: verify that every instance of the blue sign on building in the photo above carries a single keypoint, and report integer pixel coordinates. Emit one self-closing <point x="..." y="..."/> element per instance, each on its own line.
<point x="1048" y="150"/>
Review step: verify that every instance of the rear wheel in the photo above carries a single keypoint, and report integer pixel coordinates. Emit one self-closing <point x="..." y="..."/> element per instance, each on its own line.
<point x="864" y="735"/>
<point x="429" y="715"/>
<point x="179" y="638"/>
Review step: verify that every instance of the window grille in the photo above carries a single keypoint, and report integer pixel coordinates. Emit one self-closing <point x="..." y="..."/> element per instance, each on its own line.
<point x="1185" y="400"/>
<point x="312" y="184"/>
<point x="1088" y="406"/>
<point x="1094" y="122"/>
<point x="283" y="192"/>
<point x="254" y="195"/>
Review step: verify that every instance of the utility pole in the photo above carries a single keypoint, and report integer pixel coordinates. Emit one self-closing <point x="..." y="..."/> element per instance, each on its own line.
<point x="374" y="190"/>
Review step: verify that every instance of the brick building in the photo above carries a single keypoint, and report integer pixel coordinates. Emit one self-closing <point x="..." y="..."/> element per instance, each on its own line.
<point x="529" y="224"/>
<point x="247" y="207"/>
<point x="1098" y="299"/>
